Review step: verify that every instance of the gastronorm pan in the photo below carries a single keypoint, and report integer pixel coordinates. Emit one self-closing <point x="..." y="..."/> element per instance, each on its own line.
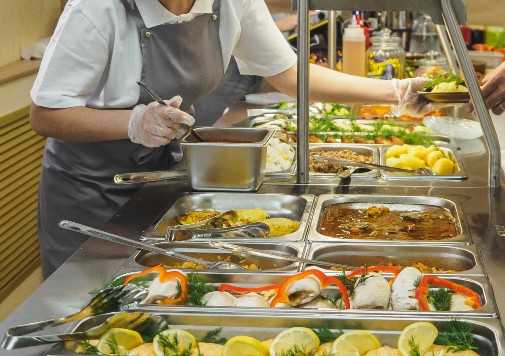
<point x="461" y="259"/>
<point x="394" y="203"/>
<point x="479" y="284"/>
<point x="203" y="251"/>
<point x="277" y="205"/>
<point x="363" y="150"/>
<point x="487" y="333"/>
<point x="451" y="150"/>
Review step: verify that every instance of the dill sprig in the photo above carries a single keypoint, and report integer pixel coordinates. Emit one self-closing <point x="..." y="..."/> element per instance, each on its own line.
<point x="457" y="336"/>
<point x="197" y="289"/>
<point x="112" y="345"/>
<point x="414" y="348"/>
<point x="294" y="351"/>
<point x="85" y="347"/>
<point x="440" y="298"/>
<point x="171" y="346"/>
<point x="212" y="336"/>
<point x="326" y="335"/>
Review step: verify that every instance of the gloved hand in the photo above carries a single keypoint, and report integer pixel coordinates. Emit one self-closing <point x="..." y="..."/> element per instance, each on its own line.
<point x="409" y="101"/>
<point x="156" y="125"/>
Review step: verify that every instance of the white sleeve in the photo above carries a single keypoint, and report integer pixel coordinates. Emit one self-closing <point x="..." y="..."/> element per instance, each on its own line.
<point x="261" y="48"/>
<point x="73" y="63"/>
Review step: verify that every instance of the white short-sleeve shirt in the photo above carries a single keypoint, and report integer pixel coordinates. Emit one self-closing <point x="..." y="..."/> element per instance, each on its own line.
<point x="94" y="57"/>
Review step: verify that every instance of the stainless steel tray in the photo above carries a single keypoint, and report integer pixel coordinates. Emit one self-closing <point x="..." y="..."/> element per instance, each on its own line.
<point x="487" y="333"/>
<point x="394" y="202"/>
<point x="479" y="284"/>
<point x="461" y="259"/>
<point x="365" y="150"/>
<point x="203" y="251"/>
<point x="450" y="149"/>
<point x="277" y="205"/>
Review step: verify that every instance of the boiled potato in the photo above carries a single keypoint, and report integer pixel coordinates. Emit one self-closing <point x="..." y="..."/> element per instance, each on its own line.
<point x="396" y="163"/>
<point x="412" y="162"/>
<point x="417" y="151"/>
<point x="443" y="166"/>
<point x="433" y="157"/>
<point x="397" y="150"/>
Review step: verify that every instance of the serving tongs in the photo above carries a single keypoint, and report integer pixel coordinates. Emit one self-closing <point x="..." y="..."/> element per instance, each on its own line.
<point x="236" y="249"/>
<point x="346" y="162"/>
<point x="16" y="337"/>
<point x="146" y="177"/>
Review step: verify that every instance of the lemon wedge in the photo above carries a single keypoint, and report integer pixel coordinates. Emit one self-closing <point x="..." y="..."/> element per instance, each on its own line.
<point x="118" y="341"/>
<point x="355" y="343"/>
<point x="173" y="342"/>
<point x="244" y="346"/>
<point x="295" y="339"/>
<point x="420" y="335"/>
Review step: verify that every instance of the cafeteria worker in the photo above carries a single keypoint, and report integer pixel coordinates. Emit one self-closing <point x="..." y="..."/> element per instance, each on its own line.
<point x="99" y="123"/>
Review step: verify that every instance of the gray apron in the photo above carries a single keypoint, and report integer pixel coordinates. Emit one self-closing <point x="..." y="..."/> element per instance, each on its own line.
<point x="77" y="178"/>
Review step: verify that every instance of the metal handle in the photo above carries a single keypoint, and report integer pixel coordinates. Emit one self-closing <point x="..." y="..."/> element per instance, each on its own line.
<point x="261" y="253"/>
<point x="145" y="177"/>
<point x="86" y="230"/>
<point x="364" y="165"/>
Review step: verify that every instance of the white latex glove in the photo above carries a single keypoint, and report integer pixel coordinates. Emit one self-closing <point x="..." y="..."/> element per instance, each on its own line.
<point x="156" y="125"/>
<point x="409" y="101"/>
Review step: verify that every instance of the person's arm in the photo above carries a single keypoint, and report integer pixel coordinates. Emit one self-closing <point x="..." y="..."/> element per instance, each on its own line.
<point x="494" y="89"/>
<point x="80" y="124"/>
<point x="331" y="86"/>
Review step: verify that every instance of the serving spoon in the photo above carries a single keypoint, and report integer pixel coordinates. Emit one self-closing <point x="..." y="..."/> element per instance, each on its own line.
<point x="161" y="102"/>
<point x="86" y="230"/>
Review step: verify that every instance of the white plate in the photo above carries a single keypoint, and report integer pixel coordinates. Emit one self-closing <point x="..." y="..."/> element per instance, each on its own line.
<point x="453" y="127"/>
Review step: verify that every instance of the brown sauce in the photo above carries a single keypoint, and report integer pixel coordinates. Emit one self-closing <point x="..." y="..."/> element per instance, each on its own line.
<point x="381" y="223"/>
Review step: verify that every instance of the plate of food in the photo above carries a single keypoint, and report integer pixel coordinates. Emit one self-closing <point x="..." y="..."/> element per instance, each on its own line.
<point x="446" y="88"/>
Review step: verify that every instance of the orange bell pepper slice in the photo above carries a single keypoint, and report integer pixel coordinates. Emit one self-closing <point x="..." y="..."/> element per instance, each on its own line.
<point x="164" y="276"/>
<point x="473" y="299"/>
<point x="325" y="280"/>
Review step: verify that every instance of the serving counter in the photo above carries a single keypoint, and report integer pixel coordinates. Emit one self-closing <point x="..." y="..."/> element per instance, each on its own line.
<point x="482" y="214"/>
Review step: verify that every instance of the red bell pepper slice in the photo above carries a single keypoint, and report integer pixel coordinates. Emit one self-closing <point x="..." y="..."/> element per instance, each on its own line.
<point x="361" y="271"/>
<point x="422" y="290"/>
<point x="164" y="276"/>
<point x="224" y="287"/>
<point x="282" y="296"/>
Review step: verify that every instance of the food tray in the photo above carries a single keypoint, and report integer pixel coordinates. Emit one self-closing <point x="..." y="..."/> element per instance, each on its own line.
<point x="411" y="203"/>
<point x="487" y="333"/>
<point x="277" y="205"/>
<point x="451" y="150"/>
<point x="479" y="284"/>
<point x="203" y="251"/>
<point x="360" y="149"/>
<point x="461" y="259"/>
<point x="447" y="97"/>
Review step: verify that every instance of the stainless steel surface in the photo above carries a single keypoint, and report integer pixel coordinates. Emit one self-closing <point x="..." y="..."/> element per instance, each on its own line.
<point x="462" y="260"/>
<point x="86" y="230"/>
<point x="202" y="251"/>
<point x="403" y="203"/>
<point x="346" y="162"/>
<point x="161" y="102"/>
<point x="493" y="145"/>
<point x="486" y="332"/>
<point x="276" y="205"/>
<point x="264" y="253"/>
<point x="332" y="39"/>
<point x="144" y="177"/>
<point x="257" y="230"/>
<point x="231" y="159"/>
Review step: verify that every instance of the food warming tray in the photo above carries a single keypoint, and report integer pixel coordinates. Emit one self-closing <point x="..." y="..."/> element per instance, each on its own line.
<point x="487" y="332"/>
<point x="251" y="279"/>
<point x="462" y="259"/>
<point x="452" y="152"/>
<point x="277" y="205"/>
<point x="202" y="250"/>
<point x="409" y="203"/>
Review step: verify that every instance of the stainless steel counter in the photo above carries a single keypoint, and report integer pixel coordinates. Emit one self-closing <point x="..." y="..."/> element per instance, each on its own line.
<point x="67" y="290"/>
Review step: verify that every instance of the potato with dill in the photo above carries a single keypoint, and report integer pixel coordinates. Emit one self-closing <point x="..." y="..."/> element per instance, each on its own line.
<point x="446" y="83"/>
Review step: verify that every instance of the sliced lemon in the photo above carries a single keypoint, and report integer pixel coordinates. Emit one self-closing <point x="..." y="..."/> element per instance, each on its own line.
<point x="355" y="343"/>
<point x="295" y="339"/>
<point x="244" y="346"/>
<point x="118" y="341"/>
<point x="420" y="336"/>
<point x="173" y="342"/>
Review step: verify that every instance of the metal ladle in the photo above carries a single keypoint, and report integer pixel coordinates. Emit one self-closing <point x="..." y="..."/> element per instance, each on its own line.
<point x="86" y="230"/>
<point x="161" y="102"/>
